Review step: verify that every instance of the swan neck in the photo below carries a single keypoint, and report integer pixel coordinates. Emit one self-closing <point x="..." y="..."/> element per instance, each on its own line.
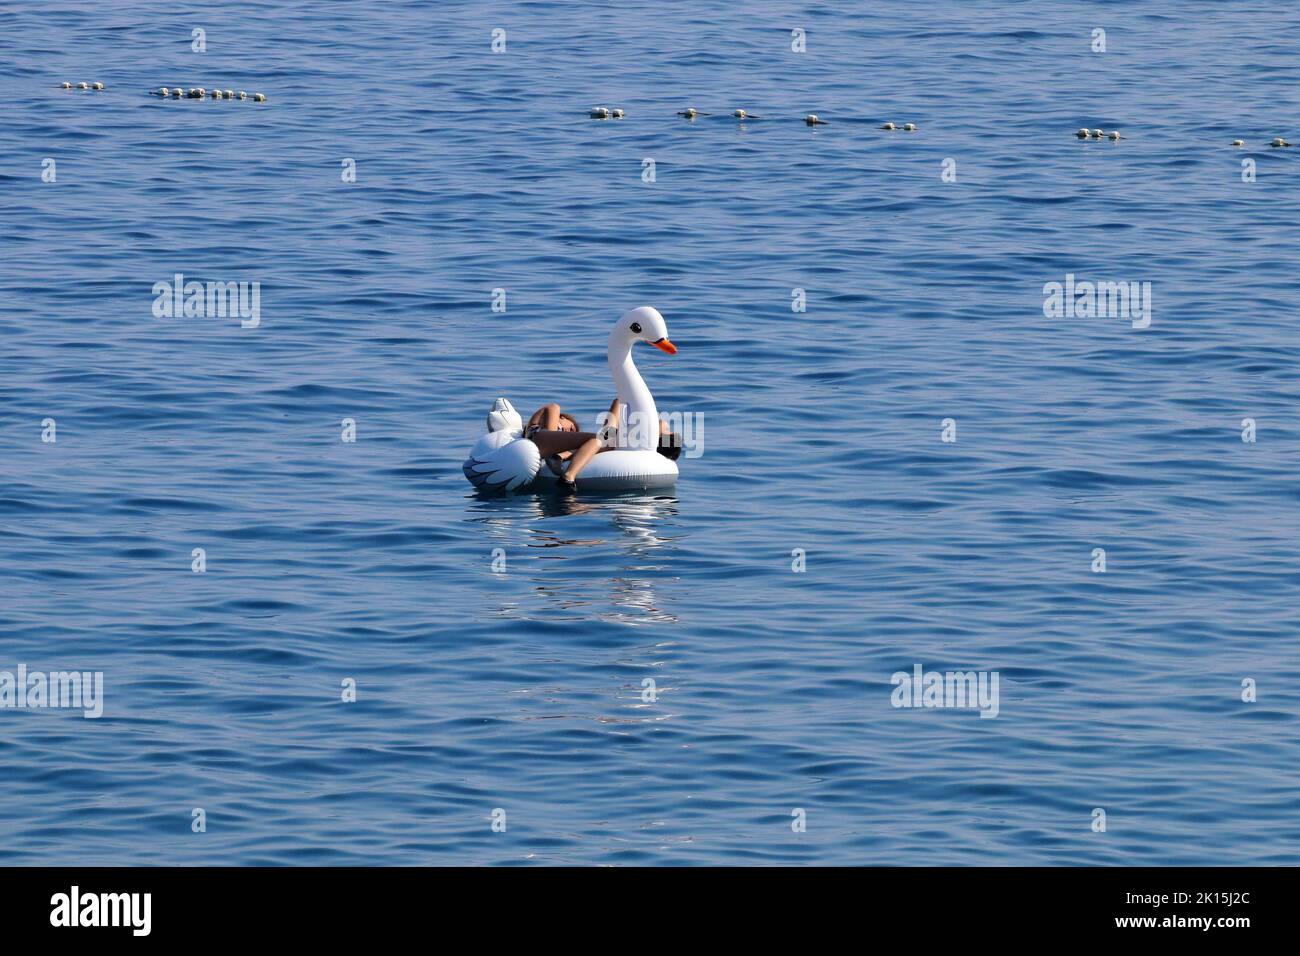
<point x="640" y="424"/>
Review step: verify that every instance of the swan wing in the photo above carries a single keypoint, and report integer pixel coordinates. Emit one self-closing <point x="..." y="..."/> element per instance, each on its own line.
<point x="502" y="467"/>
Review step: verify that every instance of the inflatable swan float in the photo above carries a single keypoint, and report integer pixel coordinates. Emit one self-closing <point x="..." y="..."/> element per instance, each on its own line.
<point x="503" y="460"/>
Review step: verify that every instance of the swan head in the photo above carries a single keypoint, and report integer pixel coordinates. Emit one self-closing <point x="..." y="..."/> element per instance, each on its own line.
<point x="643" y="324"/>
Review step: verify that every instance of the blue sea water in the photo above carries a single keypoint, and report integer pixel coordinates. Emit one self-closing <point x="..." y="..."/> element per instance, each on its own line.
<point x="522" y="689"/>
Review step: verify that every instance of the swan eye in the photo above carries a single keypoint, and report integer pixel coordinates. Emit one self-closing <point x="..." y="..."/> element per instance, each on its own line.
<point x="636" y="327"/>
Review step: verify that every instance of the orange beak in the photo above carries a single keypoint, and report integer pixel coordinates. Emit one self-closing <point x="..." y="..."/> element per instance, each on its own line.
<point x="664" y="345"/>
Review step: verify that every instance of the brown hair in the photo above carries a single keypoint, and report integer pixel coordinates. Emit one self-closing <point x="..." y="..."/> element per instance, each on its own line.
<point x="566" y="416"/>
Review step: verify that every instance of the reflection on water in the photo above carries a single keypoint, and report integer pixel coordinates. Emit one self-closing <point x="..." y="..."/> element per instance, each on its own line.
<point x="587" y="572"/>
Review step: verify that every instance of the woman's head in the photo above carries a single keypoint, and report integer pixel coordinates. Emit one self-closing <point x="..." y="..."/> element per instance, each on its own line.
<point x="567" y="423"/>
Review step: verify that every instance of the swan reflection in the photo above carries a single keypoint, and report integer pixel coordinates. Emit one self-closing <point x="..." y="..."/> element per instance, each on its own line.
<point x="566" y="552"/>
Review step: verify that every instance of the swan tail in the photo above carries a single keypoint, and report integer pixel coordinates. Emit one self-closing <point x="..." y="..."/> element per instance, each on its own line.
<point x="503" y="417"/>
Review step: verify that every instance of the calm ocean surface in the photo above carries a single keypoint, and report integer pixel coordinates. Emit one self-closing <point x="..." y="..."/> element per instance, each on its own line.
<point x="522" y="690"/>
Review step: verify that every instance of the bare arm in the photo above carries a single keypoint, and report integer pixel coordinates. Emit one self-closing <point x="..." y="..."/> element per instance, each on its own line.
<point x="547" y="417"/>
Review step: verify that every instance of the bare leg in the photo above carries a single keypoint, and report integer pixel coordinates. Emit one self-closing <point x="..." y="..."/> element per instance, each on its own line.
<point x="553" y="442"/>
<point x="584" y="454"/>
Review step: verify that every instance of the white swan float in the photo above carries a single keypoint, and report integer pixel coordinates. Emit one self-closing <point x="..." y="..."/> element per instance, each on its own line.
<point x="503" y="460"/>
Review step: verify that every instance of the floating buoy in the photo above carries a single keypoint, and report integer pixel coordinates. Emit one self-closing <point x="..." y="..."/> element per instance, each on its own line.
<point x="259" y="97"/>
<point x="1238" y="142"/>
<point x="742" y="115"/>
<point x="97" y="86"/>
<point x="889" y="126"/>
<point x="1114" y="135"/>
<point x="812" y="119"/>
<point x="1279" y="141"/>
<point x="66" y="85"/>
<point x="616" y="114"/>
<point x="83" y="85"/>
<point x="243" y="95"/>
<point x="1098" y="134"/>
<point x="597" y="112"/>
<point x="690" y="113"/>
<point x="1083" y="133"/>
<point x="909" y="127"/>
<point x="177" y="92"/>
<point x="217" y="95"/>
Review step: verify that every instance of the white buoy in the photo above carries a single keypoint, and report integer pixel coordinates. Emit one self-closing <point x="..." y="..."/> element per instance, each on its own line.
<point x="1238" y="142"/>
<point x="177" y="92"/>
<point x="1083" y="133"/>
<point x="217" y="95"/>
<point x="1279" y="141"/>
<point x="616" y="114"/>
<point x="812" y="119"/>
<point x="96" y="85"/>
<point x="890" y="126"/>
<point x="909" y="127"/>
<point x="1114" y="135"/>
<point x="599" y="112"/>
<point x="243" y="95"/>
<point x="259" y="97"/>
<point x="690" y="112"/>
<point x="742" y="115"/>
<point x="83" y="85"/>
<point x="230" y="94"/>
<point x="1098" y="134"/>
<point x="66" y="85"/>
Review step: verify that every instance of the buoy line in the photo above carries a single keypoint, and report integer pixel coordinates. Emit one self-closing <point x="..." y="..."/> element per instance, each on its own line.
<point x="203" y="93"/>
<point x="690" y="114"/>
